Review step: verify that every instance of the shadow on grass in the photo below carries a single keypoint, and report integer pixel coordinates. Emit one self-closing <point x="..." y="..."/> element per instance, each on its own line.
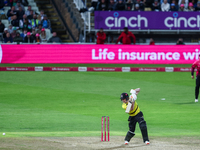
<point x="123" y="146"/>
<point x="185" y="103"/>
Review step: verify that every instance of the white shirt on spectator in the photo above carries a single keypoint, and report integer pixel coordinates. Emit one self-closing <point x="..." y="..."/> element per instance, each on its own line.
<point x="28" y="12"/>
<point x="165" y="6"/>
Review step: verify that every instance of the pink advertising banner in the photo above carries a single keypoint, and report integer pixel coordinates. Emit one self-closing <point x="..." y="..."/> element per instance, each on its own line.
<point x="113" y="54"/>
<point x="99" y="69"/>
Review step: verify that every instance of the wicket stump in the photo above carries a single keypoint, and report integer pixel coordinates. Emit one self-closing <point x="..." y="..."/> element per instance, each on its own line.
<point x="105" y="128"/>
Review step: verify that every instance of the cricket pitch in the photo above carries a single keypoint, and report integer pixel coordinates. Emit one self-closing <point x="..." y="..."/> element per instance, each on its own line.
<point x="94" y="143"/>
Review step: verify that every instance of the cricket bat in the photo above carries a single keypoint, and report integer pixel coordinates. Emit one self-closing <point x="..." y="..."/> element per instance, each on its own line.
<point x="128" y="108"/>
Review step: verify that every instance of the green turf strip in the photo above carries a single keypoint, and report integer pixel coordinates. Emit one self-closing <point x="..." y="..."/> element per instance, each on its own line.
<point x="72" y="103"/>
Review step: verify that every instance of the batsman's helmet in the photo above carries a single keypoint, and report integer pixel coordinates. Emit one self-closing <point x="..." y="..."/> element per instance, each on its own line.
<point x="124" y="96"/>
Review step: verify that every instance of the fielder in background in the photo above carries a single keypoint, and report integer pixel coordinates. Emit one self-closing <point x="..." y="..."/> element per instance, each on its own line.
<point x="101" y="36"/>
<point x="135" y="115"/>
<point x="196" y="64"/>
<point x="126" y="37"/>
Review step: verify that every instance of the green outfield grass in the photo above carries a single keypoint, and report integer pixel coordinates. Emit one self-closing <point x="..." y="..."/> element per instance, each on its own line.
<point x="72" y="103"/>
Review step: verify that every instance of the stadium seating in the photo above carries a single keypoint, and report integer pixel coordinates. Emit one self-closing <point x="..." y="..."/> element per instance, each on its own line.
<point x="34" y="7"/>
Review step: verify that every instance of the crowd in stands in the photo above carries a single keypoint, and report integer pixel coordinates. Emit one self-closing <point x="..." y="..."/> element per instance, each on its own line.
<point x="150" y="5"/>
<point x="25" y="26"/>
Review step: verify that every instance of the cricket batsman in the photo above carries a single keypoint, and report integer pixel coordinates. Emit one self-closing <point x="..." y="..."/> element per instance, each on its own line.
<point x="196" y="64"/>
<point x="135" y="115"/>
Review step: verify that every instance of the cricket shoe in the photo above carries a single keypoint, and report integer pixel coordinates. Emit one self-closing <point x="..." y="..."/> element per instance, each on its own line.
<point x="126" y="142"/>
<point x="196" y="100"/>
<point x="147" y="142"/>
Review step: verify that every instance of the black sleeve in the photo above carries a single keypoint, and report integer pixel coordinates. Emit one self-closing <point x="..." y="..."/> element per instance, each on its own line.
<point x="192" y="71"/>
<point x="8" y="13"/>
<point x="49" y="41"/>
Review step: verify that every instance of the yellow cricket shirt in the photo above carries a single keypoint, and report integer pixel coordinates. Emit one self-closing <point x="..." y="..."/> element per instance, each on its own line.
<point x="135" y="110"/>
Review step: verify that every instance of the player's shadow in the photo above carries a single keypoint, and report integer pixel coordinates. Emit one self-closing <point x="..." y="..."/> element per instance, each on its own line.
<point x="123" y="146"/>
<point x="185" y="103"/>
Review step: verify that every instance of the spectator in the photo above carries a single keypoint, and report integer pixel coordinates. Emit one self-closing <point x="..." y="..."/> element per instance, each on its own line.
<point x="37" y="40"/>
<point x="182" y="8"/>
<point x="2" y="4"/>
<point x="129" y="5"/>
<point x="11" y="12"/>
<point x="39" y="29"/>
<point x="41" y="15"/>
<point x="14" y="33"/>
<point x="155" y="6"/>
<point x="173" y="8"/>
<point x="5" y="32"/>
<point x="24" y="2"/>
<point x="141" y="5"/>
<point x="184" y="2"/>
<point x="6" y="3"/>
<point x="137" y="7"/>
<point x="2" y="27"/>
<point x="180" y="42"/>
<point x="21" y="21"/>
<point x="102" y="5"/>
<point x="54" y="39"/>
<point x="33" y="34"/>
<point x="168" y="1"/>
<point x="18" y="39"/>
<point x="8" y="38"/>
<point x="27" y="25"/>
<point x="24" y="17"/>
<point x="190" y="7"/>
<point x="165" y="6"/>
<point x="28" y="11"/>
<point x="14" y="2"/>
<point x="111" y="5"/>
<point x="35" y="22"/>
<point x="15" y="21"/>
<point x="176" y="5"/>
<point x="31" y="15"/>
<point x="94" y="4"/>
<point x="20" y="14"/>
<point x="198" y="6"/>
<point x="151" y="42"/>
<point x="126" y="37"/>
<point x="43" y="36"/>
<point x="194" y="2"/>
<point x="23" y="34"/>
<point x="10" y="29"/>
<point x="148" y="3"/>
<point x="120" y="6"/>
<point x="28" y="38"/>
<point x="46" y="23"/>
<point x="19" y="5"/>
<point x="101" y="36"/>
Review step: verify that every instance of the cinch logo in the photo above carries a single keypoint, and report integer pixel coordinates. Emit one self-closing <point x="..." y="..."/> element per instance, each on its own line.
<point x="133" y="22"/>
<point x="176" y="21"/>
